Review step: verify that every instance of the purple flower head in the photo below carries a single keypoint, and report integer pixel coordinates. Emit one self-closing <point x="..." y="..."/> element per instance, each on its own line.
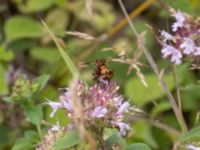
<point x="102" y="93"/>
<point x="117" y="101"/>
<point x="192" y="147"/>
<point x="170" y="51"/>
<point x="166" y="36"/>
<point x="99" y="112"/>
<point x="100" y="101"/>
<point x="64" y="100"/>
<point x="184" y="42"/>
<point x="180" y="18"/>
<point x="123" y="108"/>
<point x="188" y="46"/>
<point x="197" y="51"/>
<point x="123" y="127"/>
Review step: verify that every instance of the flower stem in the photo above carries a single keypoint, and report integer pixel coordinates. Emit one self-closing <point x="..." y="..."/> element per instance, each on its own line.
<point x="40" y="132"/>
<point x="153" y="65"/>
<point x="177" y="88"/>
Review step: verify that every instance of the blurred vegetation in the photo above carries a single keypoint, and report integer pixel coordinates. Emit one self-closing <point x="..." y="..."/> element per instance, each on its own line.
<point x="32" y="69"/>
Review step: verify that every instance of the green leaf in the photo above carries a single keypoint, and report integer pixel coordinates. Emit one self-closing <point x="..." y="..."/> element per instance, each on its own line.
<point x="72" y="67"/>
<point x="34" y="114"/>
<point x="34" y="5"/>
<point x="31" y="136"/>
<point x="3" y="7"/>
<point x="57" y="19"/>
<point x="40" y="82"/>
<point x="69" y="140"/>
<point x="5" y="55"/>
<point x="22" y="27"/>
<point x="3" y="83"/>
<point x="102" y="20"/>
<point x="190" y="96"/>
<point x="22" y="144"/>
<point x="160" y="107"/>
<point x="194" y="88"/>
<point x="114" y="139"/>
<point x="138" y="146"/>
<point x="192" y="135"/>
<point x="183" y="5"/>
<point x="141" y="95"/>
<point x="51" y="54"/>
<point x="143" y="131"/>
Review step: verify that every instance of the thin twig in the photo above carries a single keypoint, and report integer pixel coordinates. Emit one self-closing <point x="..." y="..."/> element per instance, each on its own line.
<point x="116" y="29"/>
<point x="177" y="88"/>
<point x="156" y="123"/>
<point x="79" y="119"/>
<point x="152" y="63"/>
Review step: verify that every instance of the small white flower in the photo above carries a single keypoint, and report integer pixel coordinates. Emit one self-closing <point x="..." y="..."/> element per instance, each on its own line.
<point x="197" y="51"/>
<point x="55" y="106"/>
<point x="176" y="57"/>
<point x="167" y="36"/>
<point x="68" y="106"/>
<point x="188" y="46"/>
<point x="64" y="99"/>
<point x="122" y="127"/>
<point x="179" y="21"/>
<point x="123" y="108"/>
<point x="173" y="52"/>
<point x="55" y="127"/>
<point x="99" y="112"/>
<point x="70" y="126"/>
<point x="117" y="101"/>
<point x="192" y="147"/>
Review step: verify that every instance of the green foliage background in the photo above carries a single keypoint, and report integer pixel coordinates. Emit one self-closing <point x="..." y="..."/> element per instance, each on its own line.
<point x="27" y="48"/>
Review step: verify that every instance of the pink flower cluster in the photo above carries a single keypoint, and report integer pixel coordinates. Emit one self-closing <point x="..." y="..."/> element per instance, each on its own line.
<point x="185" y="41"/>
<point x="101" y="103"/>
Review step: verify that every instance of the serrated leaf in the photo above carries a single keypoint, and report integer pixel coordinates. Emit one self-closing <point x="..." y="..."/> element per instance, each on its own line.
<point x="138" y="146"/>
<point x="193" y="135"/>
<point x="40" y="82"/>
<point x="69" y="140"/>
<point x="141" y="94"/>
<point x="34" y="114"/>
<point x="22" y="27"/>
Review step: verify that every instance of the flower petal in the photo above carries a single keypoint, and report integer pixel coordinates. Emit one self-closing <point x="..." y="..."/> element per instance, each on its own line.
<point x="99" y="112"/>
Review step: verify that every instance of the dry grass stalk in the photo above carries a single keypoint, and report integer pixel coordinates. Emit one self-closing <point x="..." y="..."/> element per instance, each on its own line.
<point x="134" y="64"/>
<point x="139" y="51"/>
<point x="155" y="68"/>
<point x="79" y="119"/>
<point x="89" y="6"/>
<point x="80" y="35"/>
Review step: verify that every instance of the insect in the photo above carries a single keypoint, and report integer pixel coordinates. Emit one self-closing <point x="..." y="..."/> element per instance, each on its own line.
<point x="102" y="72"/>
